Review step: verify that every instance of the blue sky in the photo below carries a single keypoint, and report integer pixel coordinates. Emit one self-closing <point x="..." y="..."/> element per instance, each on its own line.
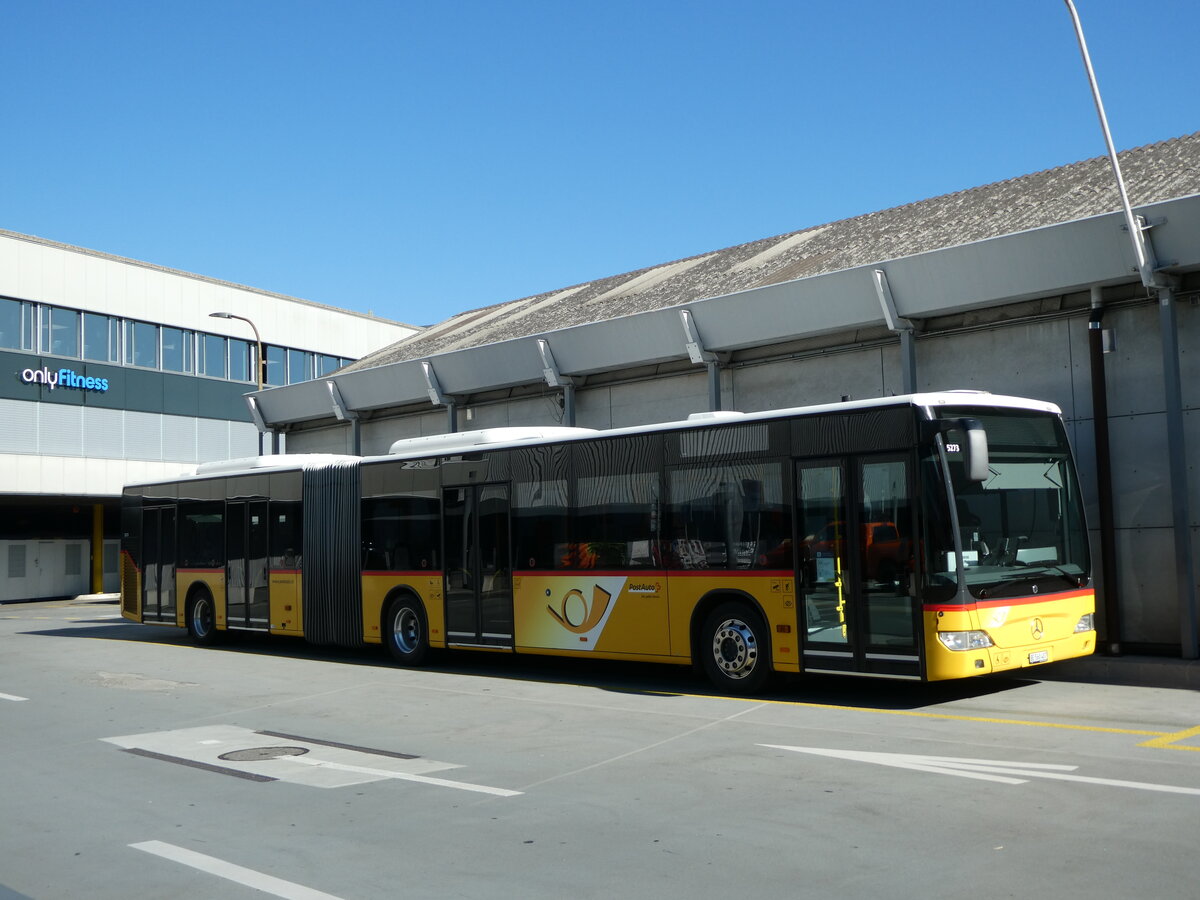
<point x="418" y="159"/>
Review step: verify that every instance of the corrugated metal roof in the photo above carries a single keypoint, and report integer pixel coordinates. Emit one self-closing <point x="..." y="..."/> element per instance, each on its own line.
<point x="1152" y="173"/>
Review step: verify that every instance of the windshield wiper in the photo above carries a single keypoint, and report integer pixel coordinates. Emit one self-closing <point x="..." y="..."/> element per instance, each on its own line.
<point x="1041" y="569"/>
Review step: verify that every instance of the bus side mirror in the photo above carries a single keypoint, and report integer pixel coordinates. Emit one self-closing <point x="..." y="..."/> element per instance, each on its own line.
<point x="977" y="449"/>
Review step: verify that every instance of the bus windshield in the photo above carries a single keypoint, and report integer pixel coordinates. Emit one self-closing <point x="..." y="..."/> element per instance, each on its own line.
<point x="1021" y="530"/>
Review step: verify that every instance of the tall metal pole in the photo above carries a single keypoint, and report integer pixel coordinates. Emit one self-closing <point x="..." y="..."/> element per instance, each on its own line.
<point x="1162" y="286"/>
<point x="1145" y="268"/>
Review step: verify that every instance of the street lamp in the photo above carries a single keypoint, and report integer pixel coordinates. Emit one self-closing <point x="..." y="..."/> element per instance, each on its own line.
<point x="260" y="363"/>
<point x="259" y="367"/>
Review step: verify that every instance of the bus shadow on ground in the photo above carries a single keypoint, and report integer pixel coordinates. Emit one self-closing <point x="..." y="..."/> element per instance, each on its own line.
<point x="621" y="677"/>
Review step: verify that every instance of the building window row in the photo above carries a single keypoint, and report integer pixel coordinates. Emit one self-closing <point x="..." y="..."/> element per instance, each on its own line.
<point x="59" y="331"/>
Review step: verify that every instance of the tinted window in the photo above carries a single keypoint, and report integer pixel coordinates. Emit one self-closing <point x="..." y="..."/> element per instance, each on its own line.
<point x="286" y="534"/>
<point x="276" y="373"/>
<point x="300" y="364"/>
<point x="615" y="494"/>
<point x="729" y="516"/>
<point x="60" y="331"/>
<point x="212" y="355"/>
<point x="99" y="338"/>
<point x="539" y="513"/>
<point x="400" y="533"/>
<point x="201" y="534"/>
<point x="16" y="324"/>
<point x="239" y="361"/>
<point x="176" y="350"/>
<point x="141" y="344"/>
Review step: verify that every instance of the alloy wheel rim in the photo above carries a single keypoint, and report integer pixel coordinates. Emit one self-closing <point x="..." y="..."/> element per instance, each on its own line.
<point x="735" y="648"/>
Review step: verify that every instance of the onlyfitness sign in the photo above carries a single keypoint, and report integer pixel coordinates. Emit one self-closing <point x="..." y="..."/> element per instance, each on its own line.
<point x="64" y="378"/>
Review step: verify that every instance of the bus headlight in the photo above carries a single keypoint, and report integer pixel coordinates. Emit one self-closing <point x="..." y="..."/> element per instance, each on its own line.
<point x="965" y="640"/>
<point x="1087" y="622"/>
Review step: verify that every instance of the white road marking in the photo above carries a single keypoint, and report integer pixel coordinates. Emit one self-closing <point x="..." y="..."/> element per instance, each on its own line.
<point x="13" y="697"/>
<point x="268" y="884"/>
<point x="268" y="757"/>
<point x="983" y="769"/>
<point x="423" y="779"/>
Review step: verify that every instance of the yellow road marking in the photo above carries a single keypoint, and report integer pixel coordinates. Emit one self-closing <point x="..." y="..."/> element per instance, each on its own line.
<point x="1168" y="741"/>
<point x="1160" y="739"/>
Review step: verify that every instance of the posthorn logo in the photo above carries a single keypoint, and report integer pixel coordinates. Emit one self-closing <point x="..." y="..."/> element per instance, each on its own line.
<point x="64" y="378"/>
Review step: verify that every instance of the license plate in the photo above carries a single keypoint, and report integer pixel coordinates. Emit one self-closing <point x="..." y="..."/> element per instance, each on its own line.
<point x="1039" y="656"/>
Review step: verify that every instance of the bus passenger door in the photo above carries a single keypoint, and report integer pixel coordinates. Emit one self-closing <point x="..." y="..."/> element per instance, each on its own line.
<point x="855" y="566"/>
<point x="258" y="600"/>
<point x="246" y="583"/>
<point x="887" y="562"/>
<point x="158" y="564"/>
<point x="478" y="569"/>
<point x="825" y="571"/>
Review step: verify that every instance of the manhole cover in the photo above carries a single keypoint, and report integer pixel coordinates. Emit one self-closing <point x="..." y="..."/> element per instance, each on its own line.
<point x="257" y="754"/>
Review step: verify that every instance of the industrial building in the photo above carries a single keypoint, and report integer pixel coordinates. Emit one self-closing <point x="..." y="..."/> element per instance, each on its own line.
<point x="1028" y="286"/>
<point x="122" y="371"/>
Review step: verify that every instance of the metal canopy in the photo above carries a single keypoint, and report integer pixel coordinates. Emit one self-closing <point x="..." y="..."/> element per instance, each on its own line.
<point x="1048" y="261"/>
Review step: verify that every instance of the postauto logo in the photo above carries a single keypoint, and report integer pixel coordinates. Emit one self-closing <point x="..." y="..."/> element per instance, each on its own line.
<point x="64" y="378"/>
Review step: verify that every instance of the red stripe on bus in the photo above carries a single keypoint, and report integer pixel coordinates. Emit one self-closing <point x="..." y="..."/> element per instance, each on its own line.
<point x="201" y="571"/>
<point x="1026" y="600"/>
<point x="661" y="573"/>
<point x="599" y="573"/>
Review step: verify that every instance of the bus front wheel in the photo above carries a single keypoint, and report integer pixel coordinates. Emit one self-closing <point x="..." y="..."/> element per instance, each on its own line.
<point x="733" y="649"/>
<point x="202" y="619"/>
<point x="406" y="631"/>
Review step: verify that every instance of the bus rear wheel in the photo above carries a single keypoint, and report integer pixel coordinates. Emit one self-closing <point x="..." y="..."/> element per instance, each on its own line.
<point x="406" y="631"/>
<point x="733" y="649"/>
<point x="202" y="619"/>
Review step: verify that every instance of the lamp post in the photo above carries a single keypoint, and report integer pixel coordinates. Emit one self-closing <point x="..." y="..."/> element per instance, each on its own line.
<point x="259" y="363"/>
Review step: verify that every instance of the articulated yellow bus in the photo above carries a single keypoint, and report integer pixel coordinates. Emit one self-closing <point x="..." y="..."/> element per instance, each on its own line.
<point x="927" y="537"/>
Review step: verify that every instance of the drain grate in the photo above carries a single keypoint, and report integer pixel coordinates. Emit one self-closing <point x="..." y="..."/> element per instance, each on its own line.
<point x="258" y="754"/>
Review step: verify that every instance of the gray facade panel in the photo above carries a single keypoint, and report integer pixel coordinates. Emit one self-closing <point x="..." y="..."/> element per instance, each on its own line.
<point x="1034" y="356"/>
<point x="221" y="400"/>
<point x="212" y="440"/>
<point x="319" y="440"/>
<point x="143" y="435"/>
<point x="143" y="391"/>
<point x="663" y="400"/>
<point x="1146" y="570"/>
<point x="59" y="428"/>
<point x="19" y="434"/>
<point x="179" y="394"/>
<point x="103" y="433"/>
<point x="814" y="379"/>
<point x="1139" y="461"/>
<point x="1133" y="372"/>
<point x="178" y="438"/>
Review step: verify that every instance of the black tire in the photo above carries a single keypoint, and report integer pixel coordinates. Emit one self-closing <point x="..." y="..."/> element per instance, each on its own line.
<point x="733" y="649"/>
<point x="405" y="630"/>
<point x="202" y="619"/>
